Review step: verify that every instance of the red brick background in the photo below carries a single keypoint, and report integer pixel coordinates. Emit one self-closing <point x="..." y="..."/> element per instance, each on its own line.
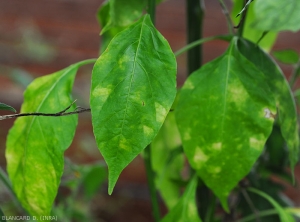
<point x="67" y="32"/>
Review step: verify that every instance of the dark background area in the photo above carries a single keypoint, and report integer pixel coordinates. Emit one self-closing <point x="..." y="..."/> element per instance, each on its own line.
<point x="39" y="37"/>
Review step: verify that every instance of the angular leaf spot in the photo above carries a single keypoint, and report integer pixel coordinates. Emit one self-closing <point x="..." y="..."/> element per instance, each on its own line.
<point x="269" y="114"/>
<point x="256" y="143"/>
<point x="199" y="157"/>
<point x="161" y="113"/>
<point x="102" y="93"/>
<point x="147" y="130"/>
<point x="187" y="135"/>
<point x="124" y="144"/>
<point x="189" y="85"/>
<point x="214" y="170"/>
<point x="217" y="146"/>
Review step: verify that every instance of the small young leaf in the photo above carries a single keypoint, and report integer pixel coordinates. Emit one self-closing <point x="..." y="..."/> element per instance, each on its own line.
<point x="221" y="116"/>
<point x="122" y="15"/>
<point x="93" y="177"/>
<point x="7" y="107"/>
<point x="248" y="31"/>
<point x="288" y="56"/>
<point x="277" y="15"/>
<point x="133" y="88"/>
<point x="104" y="19"/>
<point x="35" y="145"/>
<point x="186" y="208"/>
<point x="282" y="93"/>
<point x="284" y="216"/>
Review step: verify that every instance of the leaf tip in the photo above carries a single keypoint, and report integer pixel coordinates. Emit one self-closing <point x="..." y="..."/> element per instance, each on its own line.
<point x="224" y="203"/>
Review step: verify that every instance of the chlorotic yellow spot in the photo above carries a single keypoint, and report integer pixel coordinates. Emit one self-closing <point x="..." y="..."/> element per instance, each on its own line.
<point x="187" y="135"/>
<point x="161" y="112"/>
<point x="147" y="130"/>
<point x="192" y="209"/>
<point x="217" y="146"/>
<point x="256" y="143"/>
<point x="237" y="92"/>
<point x="189" y="85"/>
<point x="199" y="157"/>
<point x="123" y="144"/>
<point x="215" y="170"/>
<point x="102" y="93"/>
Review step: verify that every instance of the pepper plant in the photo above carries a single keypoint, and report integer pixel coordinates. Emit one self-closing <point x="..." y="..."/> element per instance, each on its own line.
<point x="234" y="119"/>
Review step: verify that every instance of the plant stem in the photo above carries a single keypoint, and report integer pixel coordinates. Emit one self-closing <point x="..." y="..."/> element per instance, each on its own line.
<point x="251" y="205"/>
<point x="61" y="113"/>
<point x="151" y="183"/>
<point x="195" y="14"/>
<point x="201" y="41"/>
<point x="228" y="19"/>
<point x="147" y="152"/>
<point x="243" y="19"/>
<point x="211" y="209"/>
<point x="7" y="183"/>
<point x="151" y="10"/>
<point x="261" y="214"/>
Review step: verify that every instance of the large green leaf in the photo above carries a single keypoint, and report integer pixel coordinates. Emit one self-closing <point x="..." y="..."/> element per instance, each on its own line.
<point x="249" y="32"/>
<point x="186" y="209"/>
<point x="35" y="145"/>
<point x="7" y="107"/>
<point x="122" y="14"/>
<point x="224" y="119"/>
<point x="283" y="214"/>
<point x="133" y="88"/>
<point x="168" y="161"/>
<point x="282" y="93"/>
<point x="277" y="15"/>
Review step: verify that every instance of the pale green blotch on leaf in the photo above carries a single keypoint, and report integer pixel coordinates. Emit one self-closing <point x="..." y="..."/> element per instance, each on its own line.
<point x="224" y="114"/>
<point x="133" y="88"/>
<point x="35" y="145"/>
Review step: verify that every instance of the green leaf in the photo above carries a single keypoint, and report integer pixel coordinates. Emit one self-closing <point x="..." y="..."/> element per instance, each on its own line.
<point x="104" y="18"/>
<point x="168" y="161"/>
<point x="248" y="32"/>
<point x="221" y="116"/>
<point x="93" y="177"/>
<point x="133" y="88"/>
<point x="282" y="93"/>
<point x="284" y="216"/>
<point x="7" y="107"/>
<point x="288" y="56"/>
<point x="35" y="145"/>
<point x="186" y="208"/>
<point x="122" y="15"/>
<point x="277" y="15"/>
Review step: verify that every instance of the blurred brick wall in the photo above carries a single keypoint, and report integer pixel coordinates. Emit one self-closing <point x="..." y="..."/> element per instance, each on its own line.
<point x="38" y="37"/>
